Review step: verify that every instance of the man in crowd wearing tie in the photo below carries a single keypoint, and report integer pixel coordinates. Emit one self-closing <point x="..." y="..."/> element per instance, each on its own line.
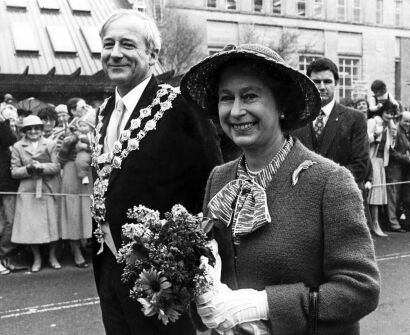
<point x="338" y="133"/>
<point x="151" y="149"/>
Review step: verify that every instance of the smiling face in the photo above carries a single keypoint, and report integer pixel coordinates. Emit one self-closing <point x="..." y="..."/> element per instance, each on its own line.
<point x="248" y="111"/>
<point x="326" y="84"/>
<point x="125" y="56"/>
<point x="405" y="121"/>
<point x="33" y="133"/>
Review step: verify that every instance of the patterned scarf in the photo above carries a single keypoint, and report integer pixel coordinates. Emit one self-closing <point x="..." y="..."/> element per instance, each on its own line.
<point x="243" y="200"/>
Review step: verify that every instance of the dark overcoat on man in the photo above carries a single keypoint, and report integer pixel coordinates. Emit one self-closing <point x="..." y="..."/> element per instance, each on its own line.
<point x="170" y="167"/>
<point x="344" y="140"/>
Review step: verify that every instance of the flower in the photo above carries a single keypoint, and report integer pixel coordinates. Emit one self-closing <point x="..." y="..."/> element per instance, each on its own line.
<point x="161" y="258"/>
<point x="152" y="283"/>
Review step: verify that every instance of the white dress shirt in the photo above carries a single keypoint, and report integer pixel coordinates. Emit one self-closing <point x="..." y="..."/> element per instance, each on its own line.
<point x="326" y="110"/>
<point x="130" y="100"/>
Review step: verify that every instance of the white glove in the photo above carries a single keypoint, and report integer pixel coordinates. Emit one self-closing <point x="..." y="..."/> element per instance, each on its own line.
<point x="226" y="309"/>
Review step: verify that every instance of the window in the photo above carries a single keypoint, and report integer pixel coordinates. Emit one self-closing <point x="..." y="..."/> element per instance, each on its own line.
<point x="211" y="3"/>
<point x="257" y="5"/>
<point x="23" y="37"/>
<point x="140" y="6"/>
<point x="92" y="38"/>
<point x="60" y="39"/>
<point x="357" y="11"/>
<point x="158" y="10"/>
<point x="305" y="60"/>
<point x="341" y="10"/>
<point x="399" y="11"/>
<point x="318" y="9"/>
<point x="16" y="4"/>
<point x="277" y="7"/>
<point x="231" y="4"/>
<point x="48" y="4"/>
<point x="379" y="11"/>
<point x="79" y="6"/>
<point x="349" y="73"/>
<point x="301" y="7"/>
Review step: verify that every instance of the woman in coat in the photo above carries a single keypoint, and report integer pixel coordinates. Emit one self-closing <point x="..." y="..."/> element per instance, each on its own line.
<point x="75" y="216"/>
<point x="297" y="256"/>
<point x="382" y="132"/>
<point x="35" y="164"/>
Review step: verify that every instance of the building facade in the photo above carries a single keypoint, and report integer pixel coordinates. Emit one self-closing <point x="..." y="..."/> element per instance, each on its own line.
<point x="368" y="39"/>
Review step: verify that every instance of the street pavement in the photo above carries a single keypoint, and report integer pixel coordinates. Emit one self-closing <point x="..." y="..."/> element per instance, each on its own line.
<point x="65" y="302"/>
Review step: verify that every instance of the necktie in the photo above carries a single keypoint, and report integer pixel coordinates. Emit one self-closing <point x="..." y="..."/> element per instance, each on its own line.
<point x="117" y="117"/>
<point x="319" y="124"/>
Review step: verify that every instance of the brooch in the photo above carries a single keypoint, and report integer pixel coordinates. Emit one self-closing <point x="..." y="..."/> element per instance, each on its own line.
<point x="304" y="166"/>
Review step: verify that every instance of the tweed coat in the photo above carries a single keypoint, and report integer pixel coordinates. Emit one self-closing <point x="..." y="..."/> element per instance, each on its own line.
<point x="344" y="140"/>
<point x="318" y="237"/>
<point x="7" y="139"/>
<point x="171" y="167"/>
<point x="36" y="219"/>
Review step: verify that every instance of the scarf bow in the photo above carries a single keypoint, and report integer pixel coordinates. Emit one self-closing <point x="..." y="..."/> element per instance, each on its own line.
<point x="242" y="202"/>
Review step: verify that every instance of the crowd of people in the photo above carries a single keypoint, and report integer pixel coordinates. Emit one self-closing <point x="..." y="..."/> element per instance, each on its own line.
<point x="46" y="181"/>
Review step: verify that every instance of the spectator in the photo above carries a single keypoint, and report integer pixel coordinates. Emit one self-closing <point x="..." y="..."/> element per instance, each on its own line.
<point x="75" y="216"/>
<point x="85" y="126"/>
<point x="7" y="184"/>
<point x="381" y="131"/>
<point x="77" y="107"/>
<point x="397" y="171"/>
<point x="382" y="100"/>
<point x="35" y="164"/>
<point x="362" y="106"/>
<point x="49" y="117"/>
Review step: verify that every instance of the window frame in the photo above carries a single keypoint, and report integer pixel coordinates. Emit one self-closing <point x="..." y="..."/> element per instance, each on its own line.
<point x="24" y="39"/>
<point x="357" y="8"/>
<point x="318" y="4"/>
<point x="341" y="6"/>
<point x="230" y="2"/>
<point x="304" y="3"/>
<point x="208" y="3"/>
<point x="61" y="40"/>
<point x="302" y="66"/>
<point x="379" y="11"/>
<point x="280" y="7"/>
<point x="261" y="6"/>
<point x="343" y="88"/>
<point x="398" y="16"/>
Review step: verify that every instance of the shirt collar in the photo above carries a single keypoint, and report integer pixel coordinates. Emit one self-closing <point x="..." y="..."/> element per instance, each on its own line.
<point x="131" y="99"/>
<point x="328" y="108"/>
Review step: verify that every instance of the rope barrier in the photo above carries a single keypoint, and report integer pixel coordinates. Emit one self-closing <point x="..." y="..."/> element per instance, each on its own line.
<point x="51" y="194"/>
<point x="395" y="183"/>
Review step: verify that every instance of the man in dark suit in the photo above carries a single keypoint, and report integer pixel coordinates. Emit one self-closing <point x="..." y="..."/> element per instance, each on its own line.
<point x="338" y="133"/>
<point x="151" y="149"/>
<point x="398" y="171"/>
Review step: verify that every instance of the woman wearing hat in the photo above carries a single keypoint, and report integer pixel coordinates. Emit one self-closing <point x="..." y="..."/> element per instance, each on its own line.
<point x="35" y="164"/>
<point x="296" y="253"/>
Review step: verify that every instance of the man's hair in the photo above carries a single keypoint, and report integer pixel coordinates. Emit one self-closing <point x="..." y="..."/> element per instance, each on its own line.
<point x="378" y="85"/>
<point x="47" y="113"/>
<point x="151" y="32"/>
<point x="323" y="64"/>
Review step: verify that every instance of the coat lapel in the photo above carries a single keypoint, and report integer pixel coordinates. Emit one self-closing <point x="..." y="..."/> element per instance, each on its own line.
<point x="106" y="114"/>
<point x="331" y="127"/>
<point x="145" y="100"/>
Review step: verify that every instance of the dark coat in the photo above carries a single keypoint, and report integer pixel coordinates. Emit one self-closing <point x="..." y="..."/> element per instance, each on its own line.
<point x="171" y="166"/>
<point x="344" y="140"/>
<point x="7" y="139"/>
<point x="399" y="162"/>
<point x="317" y="238"/>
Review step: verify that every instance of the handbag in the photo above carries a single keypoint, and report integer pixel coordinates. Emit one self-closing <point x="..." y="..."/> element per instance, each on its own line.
<point x="313" y="310"/>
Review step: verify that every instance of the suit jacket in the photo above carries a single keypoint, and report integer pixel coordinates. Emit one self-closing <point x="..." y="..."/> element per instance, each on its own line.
<point x="399" y="163"/>
<point x="7" y="139"/>
<point x="344" y="140"/>
<point x="318" y="237"/>
<point x="171" y="166"/>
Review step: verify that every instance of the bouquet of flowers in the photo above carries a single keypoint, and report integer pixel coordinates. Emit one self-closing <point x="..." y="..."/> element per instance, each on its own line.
<point x="162" y="260"/>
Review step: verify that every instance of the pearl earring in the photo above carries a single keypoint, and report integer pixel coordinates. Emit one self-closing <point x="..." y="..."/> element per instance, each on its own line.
<point x="282" y="116"/>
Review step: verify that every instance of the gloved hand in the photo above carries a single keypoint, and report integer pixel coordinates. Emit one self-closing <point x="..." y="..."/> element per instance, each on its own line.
<point x="31" y="168"/>
<point x="228" y="308"/>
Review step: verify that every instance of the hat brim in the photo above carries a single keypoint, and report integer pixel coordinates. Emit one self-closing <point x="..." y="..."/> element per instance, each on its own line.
<point x="198" y="85"/>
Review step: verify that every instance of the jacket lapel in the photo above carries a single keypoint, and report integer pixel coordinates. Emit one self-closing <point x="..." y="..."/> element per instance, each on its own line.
<point x="145" y="100"/>
<point x="330" y="129"/>
<point x="106" y="114"/>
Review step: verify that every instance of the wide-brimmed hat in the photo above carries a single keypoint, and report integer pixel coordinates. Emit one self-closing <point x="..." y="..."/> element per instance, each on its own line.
<point x="199" y="84"/>
<point x="31" y="120"/>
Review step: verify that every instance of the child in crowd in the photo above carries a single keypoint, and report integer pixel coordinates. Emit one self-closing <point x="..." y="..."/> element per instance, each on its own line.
<point x="382" y="101"/>
<point x="85" y="128"/>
